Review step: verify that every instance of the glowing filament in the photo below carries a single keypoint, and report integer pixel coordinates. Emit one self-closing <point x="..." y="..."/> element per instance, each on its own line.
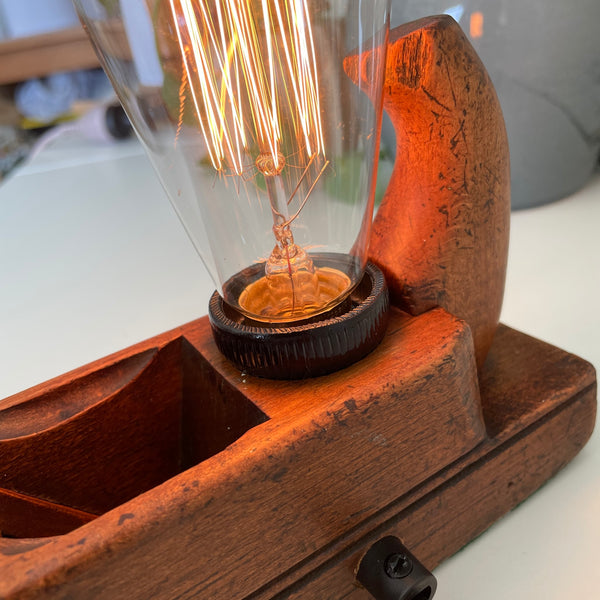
<point x="250" y="66"/>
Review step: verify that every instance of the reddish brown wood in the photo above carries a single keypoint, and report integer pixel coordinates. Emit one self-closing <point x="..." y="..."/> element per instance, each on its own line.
<point x="551" y="397"/>
<point x="212" y="484"/>
<point x="327" y="458"/>
<point x="95" y="441"/>
<point x="74" y="444"/>
<point x="26" y="516"/>
<point x="441" y="233"/>
<point x="393" y="444"/>
<point x="475" y="498"/>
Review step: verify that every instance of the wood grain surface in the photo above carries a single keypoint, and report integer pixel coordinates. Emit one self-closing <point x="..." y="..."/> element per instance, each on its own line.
<point x="164" y="472"/>
<point x="396" y="443"/>
<point x="322" y="456"/>
<point x="441" y="232"/>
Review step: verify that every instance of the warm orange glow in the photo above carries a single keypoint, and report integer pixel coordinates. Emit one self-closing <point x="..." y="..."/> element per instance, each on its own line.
<point x="476" y="25"/>
<point x="250" y="65"/>
<point x="274" y="299"/>
<point x="250" y="71"/>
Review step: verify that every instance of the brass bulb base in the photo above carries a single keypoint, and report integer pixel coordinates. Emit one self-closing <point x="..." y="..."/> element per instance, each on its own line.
<point x="317" y="346"/>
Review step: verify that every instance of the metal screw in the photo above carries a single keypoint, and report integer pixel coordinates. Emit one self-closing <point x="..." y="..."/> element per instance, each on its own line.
<point x="398" y="566"/>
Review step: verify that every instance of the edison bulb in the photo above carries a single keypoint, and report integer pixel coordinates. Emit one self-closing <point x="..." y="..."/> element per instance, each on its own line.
<point x="266" y="148"/>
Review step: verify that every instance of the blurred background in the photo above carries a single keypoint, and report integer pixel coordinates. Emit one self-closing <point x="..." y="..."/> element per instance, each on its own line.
<point x="51" y="84"/>
<point x="543" y="57"/>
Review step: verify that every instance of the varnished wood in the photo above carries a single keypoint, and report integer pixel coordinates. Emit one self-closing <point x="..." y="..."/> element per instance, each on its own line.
<point x="549" y="425"/>
<point x="163" y="472"/>
<point x="480" y="495"/>
<point x="23" y="516"/>
<point x="94" y="441"/>
<point x="376" y="448"/>
<point x="441" y="233"/>
<point x="326" y="458"/>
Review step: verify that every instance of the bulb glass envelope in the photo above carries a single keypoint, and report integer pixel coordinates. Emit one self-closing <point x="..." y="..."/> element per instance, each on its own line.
<point x="266" y="148"/>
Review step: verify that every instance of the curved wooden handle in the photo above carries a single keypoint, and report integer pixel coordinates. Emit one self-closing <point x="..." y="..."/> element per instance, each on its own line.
<point x="441" y="233"/>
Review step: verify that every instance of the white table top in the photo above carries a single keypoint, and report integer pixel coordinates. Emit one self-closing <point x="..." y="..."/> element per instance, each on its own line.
<point x="93" y="259"/>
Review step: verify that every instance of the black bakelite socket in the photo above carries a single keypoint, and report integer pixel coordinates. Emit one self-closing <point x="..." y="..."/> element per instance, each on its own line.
<point x="389" y="571"/>
<point x="316" y="347"/>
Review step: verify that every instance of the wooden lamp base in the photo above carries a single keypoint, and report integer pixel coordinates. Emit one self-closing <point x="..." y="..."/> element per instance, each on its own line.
<point x="163" y="472"/>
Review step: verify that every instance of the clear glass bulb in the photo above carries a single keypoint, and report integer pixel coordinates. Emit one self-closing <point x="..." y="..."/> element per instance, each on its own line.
<point x="265" y="146"/>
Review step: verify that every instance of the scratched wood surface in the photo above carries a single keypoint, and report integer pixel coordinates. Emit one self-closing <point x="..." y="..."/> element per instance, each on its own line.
<point x="163" y="472"/>
<point x="315" y="466"/>
<point x="540" y="408"/>
<point x="396" y="443"/>
<point x="441" y="233"/>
